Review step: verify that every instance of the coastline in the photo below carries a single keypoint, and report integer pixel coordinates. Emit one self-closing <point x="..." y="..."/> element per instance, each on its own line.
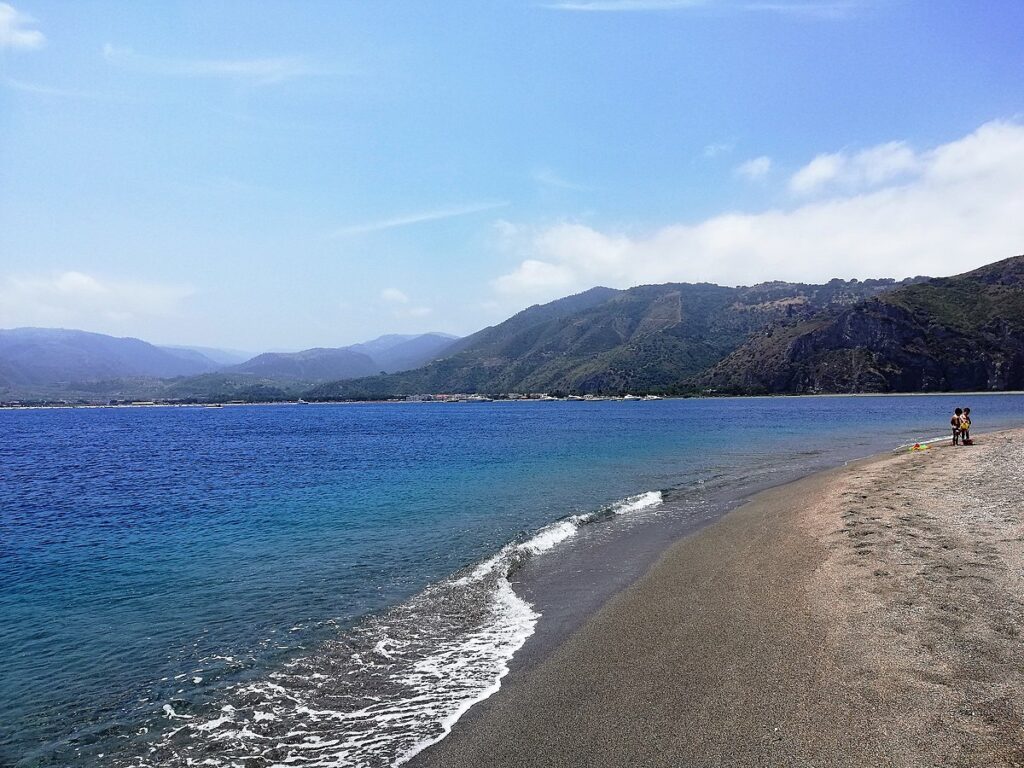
<point x="47" y="405"/>
<point x="398" y="678"/>
<point x="851" y="617"/>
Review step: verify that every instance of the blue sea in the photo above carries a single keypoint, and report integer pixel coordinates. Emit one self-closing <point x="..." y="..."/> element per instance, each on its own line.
<point x="335" y="585"/>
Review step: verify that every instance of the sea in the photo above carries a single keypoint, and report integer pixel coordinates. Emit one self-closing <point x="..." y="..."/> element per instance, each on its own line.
<point x="337" y="584"/>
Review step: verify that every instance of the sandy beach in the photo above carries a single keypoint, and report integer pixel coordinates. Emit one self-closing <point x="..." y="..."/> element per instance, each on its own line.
<point x="866" y="616"/>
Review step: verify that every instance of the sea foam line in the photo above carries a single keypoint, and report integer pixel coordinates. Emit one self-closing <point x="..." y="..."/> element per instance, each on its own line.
<point x="392" y="686"/>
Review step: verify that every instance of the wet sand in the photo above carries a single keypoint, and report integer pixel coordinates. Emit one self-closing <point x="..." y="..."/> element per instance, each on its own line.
<point x="865" y="616"/>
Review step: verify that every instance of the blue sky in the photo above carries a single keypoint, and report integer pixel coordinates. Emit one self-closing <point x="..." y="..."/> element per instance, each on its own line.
<point x="285" y="175"/>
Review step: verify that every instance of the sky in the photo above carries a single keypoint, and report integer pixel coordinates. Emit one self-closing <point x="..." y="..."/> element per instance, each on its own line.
<point x="283" y="175"/>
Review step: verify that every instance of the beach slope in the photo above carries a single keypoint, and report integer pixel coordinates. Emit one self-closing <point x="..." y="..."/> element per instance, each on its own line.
<point x="866" y="616"/>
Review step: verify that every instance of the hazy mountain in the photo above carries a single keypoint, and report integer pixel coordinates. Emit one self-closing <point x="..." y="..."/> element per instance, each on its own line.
<point x="218" y="357"/>
<point x="396" y="352"/>
<point x="954" y="333"/>
<point x="31" y="357"/>
<point x="53" y="364"/>
<point x="648" y="338"/>
<point x="393" y="352"/>
<point x="317" y="364"/>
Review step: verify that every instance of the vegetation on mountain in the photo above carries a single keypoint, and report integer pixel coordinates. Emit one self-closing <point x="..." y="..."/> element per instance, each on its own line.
<point x="396" y="352"/>
<point x="651" y="338"/>
<point x="954" y="333"/>
<point x="43" y="364"/>
<point x="920" y="334"/>
<point x="31" y="358"/>
<point x="318" y="364"/>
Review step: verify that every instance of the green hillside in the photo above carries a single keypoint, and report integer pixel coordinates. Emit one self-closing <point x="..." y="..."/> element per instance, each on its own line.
<point x="652" y="338"/>
<point x="956" y="333"/>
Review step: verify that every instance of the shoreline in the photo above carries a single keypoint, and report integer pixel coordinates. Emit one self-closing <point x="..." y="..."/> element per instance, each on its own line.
<point x="499" y="399"/>
<point x="724" y="653"/>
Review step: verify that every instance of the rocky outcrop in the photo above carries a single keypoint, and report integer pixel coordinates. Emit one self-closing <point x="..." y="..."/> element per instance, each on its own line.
<point x="961" y="333"/>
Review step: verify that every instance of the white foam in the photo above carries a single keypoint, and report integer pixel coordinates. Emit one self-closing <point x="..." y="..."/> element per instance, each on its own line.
<point x="514" y="622"/>
<point x="217" y="723"/>
<point x="427" y="668"/>
<point x="637" y="503"/>
<point x="483" y="570"/>
<point x="549" y="536"/>
<point x="172" y="715"/>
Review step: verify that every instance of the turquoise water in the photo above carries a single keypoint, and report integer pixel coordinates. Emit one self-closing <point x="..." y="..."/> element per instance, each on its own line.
<point x="275" y="581"/>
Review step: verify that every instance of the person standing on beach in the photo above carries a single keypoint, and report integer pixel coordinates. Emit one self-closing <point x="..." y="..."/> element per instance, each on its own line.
<point x="955" y="422"/>
<point x="965" y="427"/>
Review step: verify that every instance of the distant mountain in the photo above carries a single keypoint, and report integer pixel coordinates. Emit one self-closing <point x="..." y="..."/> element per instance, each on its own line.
<point x="396" y="352"/>
<point x="652" y="338"/>
<point x="218" y="357"/>
<point x="916" y="335"/>
<point x="389" y="353"/>
<point x="58" y="364"/>
<point x="954" y="333"/>
<point x="33" y="357"/>
<point x="318" y="364"/>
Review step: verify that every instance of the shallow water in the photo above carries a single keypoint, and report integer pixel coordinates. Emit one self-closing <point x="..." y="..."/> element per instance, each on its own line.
<point x="330" y="584"/>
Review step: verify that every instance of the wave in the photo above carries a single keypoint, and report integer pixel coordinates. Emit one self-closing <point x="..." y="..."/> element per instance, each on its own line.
<point x="388" y="688"/>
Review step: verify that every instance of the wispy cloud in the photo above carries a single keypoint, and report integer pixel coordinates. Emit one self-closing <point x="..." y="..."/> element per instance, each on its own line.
<point x="414" y="312"/>
<point x="75" y="299"/>
<point x="812" y="8"/>
<point x="821" y="10"/>
<point x="15" y="30"/>
<point x="258" y="71"/>
<point x="47" y="90"/>
<point x="717" y="149"/>
<point x="623" y="6"/>
<point x="416" y="218"/>
<point x="548" y="178"/>
<point x="755" y="169"/>
<point x="401" y="304"/>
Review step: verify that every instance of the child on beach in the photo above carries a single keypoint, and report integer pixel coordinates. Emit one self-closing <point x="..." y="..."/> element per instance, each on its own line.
<point x="965" y="427"/>
<point x="956" y="422"/>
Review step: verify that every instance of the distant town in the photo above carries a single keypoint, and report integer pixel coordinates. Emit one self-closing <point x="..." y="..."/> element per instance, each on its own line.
<point x="422" y="398"/>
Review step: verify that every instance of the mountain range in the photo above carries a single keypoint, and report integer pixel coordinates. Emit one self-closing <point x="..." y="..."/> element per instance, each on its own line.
<point x="918" y="334"/>
<point x="45" y="363"/>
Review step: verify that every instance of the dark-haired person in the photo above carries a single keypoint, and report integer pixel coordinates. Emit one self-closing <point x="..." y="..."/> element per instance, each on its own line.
<point x="955" y="423"/>
<point x="965" y="427"/>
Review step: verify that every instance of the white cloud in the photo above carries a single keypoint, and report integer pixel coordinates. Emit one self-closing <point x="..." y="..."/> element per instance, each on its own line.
<point x="415" y="218"/>
<point x="256" y="71"/>
<point x="394" y="296"/>
<point x="400" y="302"/>
<point x="15" y="31"/>
<point x="755" y="169"/>
<point x="712" y="151"/>
<point x="820" y="171"/>
<point x="959" y="208"/>
<point x="534" y="277"/>
<point x="867" y="168"/>
<point x="78" y="300"/>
